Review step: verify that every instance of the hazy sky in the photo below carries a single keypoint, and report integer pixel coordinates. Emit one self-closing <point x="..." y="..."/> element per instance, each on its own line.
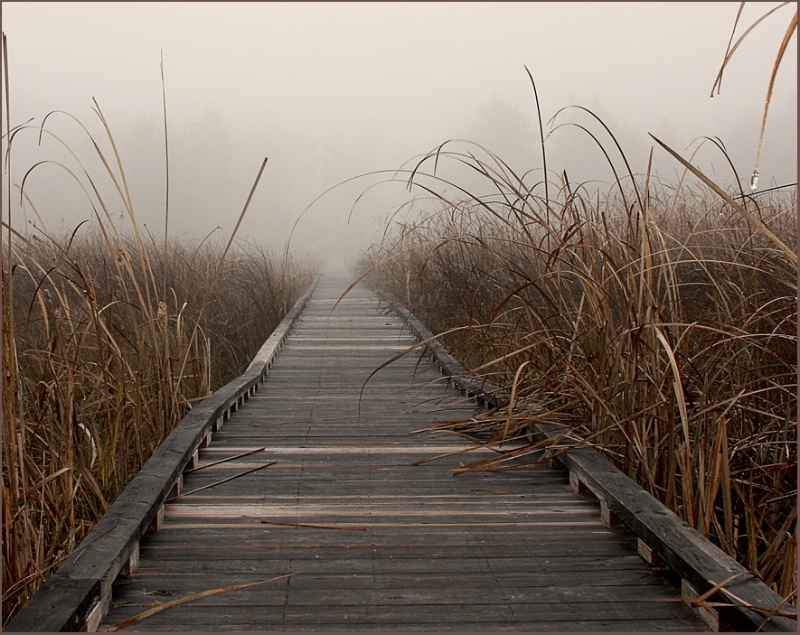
<point x="329" y="91"/>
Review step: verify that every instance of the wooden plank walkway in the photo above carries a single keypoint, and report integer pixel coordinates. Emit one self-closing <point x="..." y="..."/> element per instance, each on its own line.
<point x="371" y="541"/>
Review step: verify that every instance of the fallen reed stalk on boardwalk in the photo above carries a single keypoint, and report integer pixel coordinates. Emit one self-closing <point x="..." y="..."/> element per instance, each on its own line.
<point x="109" y="337"/>
<point x="656" y="322"/>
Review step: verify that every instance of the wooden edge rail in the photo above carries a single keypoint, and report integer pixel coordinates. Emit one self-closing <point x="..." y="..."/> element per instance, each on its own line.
<point x="736" y="599"/>
<point x="78" y="594"/>
<point x="480" y="390"/>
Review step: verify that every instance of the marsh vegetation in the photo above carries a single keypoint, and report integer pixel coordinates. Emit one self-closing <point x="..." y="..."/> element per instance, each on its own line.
<point x="653" y="319"/>
<point x="656" y="321"/>
<point x="110" y="335"/>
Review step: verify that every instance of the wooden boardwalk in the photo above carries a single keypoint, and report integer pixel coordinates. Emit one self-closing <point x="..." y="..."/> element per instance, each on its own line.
<point x="371" y="541"/>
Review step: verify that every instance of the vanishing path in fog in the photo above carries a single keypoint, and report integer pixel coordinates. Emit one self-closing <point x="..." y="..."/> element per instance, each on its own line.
<point x="367" y="539"/>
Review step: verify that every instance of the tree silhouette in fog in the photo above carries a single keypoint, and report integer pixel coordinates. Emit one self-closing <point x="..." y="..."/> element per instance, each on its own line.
<point x="506" y="130"/>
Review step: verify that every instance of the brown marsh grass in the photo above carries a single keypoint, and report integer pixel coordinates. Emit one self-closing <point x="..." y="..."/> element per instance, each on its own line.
<point x="96" y="376"/>
<point x="657" y="322"/>
<point x="660" y="328"/>
<point x="108" y="339"/>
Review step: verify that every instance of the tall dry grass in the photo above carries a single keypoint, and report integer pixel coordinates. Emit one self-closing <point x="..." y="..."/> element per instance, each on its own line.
<point x="657" y="322"/>
<point x="96" y="375"/>
<point x="109" y="336"/>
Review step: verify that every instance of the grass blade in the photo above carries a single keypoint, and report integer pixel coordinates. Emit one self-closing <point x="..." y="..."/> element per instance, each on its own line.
<point x="189" y="598"/>
<point x="790" y="254"/>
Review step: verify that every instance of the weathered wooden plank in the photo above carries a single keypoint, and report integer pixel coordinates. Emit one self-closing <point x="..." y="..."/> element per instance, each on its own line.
<point x="378" y="552"/>
<point x="597" y="625"/>
<point x="655" y="615"/>
<point x="152" y="572"/>
<point x="630" y="601"/>
<point x="179" y="584"/>
<point x="613" y="626"/>
<point x="324" y="546"/>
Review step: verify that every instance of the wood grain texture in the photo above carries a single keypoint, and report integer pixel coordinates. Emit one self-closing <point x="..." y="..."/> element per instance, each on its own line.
<point x="373" y="541"/>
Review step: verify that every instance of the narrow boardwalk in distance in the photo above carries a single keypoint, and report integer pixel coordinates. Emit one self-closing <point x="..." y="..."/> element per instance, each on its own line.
<point x="371" y="541"/>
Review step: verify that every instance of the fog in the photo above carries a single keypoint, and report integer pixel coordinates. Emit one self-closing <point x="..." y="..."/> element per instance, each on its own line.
<point x="351" y="92"/>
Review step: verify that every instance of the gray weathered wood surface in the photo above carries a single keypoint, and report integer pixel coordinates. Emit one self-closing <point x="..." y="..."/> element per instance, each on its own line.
<point x="372" y="541"/>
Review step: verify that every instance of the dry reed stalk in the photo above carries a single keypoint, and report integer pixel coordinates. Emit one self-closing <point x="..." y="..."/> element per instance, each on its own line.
<point x="189" y="598"/>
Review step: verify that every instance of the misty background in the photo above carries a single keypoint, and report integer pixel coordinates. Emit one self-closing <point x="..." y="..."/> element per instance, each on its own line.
<point x="332" y="91"/>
